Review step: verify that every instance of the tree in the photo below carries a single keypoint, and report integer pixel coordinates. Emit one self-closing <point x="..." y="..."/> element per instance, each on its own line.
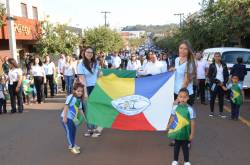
<point x="2" y="14"/>
<point x="136" y="42"/>
<point x="103" y="39"/>
<point x="55" y="39"/>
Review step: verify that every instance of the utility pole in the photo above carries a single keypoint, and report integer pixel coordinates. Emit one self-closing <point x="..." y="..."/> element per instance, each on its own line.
<point x="11" y="29"/>
<point x="105" y="17"/>
<point x="180" y="15"/>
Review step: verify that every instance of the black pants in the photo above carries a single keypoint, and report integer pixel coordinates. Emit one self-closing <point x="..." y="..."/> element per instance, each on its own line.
<point x="50" y="81"/>
<point x="235" y="111"/>
<point x="201" y="89"/>
<point x="3" y="106"/>
<point x="38" y="81"/>
<point x="190" y="100"/>
<point x="184" y="145"/>
<point x="63" y="82"/>
<point x="16" y="95"/>
<point x="217" y="91"/>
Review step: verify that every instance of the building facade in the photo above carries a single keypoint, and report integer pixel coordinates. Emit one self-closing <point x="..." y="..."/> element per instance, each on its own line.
<point x="27" y="16"/>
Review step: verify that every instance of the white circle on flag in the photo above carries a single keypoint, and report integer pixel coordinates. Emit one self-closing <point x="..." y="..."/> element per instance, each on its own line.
<point x="131" y="105"/>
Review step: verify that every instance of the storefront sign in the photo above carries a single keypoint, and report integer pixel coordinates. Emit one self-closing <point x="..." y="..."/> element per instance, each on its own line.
<point x="19" y="28"/>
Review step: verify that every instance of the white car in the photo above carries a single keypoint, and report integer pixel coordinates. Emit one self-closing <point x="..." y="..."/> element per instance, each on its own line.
<point x="229" y="56"/>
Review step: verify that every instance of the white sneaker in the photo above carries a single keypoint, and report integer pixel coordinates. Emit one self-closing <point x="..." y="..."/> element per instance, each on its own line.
<point x="76" y="146"/>
<point x="174" y="163"/>
<point x="187" y="163"/>
<point x="74" y="150"/>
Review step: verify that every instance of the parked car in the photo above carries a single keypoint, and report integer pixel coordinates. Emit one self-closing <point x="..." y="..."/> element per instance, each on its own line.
<point x="229" y="56"/>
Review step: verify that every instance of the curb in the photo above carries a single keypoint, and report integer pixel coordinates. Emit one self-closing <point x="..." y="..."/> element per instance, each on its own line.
<point x="242" y="119"/>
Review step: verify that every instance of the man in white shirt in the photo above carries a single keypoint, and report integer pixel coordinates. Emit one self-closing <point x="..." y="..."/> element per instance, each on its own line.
<point x="202" y="70"/>
<point x="116" y="61"/>
<point x="154" y="66"/>
<point x="61" y="63"/>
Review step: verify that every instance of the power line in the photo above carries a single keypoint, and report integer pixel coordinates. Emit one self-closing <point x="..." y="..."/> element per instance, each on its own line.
<point x="105" y="17"/>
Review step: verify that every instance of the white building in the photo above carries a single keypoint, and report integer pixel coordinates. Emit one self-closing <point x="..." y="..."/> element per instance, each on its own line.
<point x="30" y="9"/>
<point x="135" y="34"/>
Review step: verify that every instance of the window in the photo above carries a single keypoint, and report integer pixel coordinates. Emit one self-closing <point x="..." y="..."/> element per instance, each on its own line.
<point x="24" y="10"/>
<point x="231" y="57"/>
<point x="35" y="13"/>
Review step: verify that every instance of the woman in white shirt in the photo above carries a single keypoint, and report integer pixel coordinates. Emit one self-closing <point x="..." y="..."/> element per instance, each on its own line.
<point x="185" y="71"/>
<point x="133" y="63"/>
<point x="68" y="72"/>
<point x="37" y="70"/>
<point x="49" y="68"/>
<point x="15" y="86"/>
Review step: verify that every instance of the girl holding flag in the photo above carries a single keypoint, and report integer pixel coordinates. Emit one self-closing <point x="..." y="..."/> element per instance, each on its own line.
<point x="88" y="71"/>
<point x="72" y="116"/>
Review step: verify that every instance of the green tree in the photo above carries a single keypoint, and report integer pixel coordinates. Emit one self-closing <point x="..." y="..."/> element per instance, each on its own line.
<point x="2" y="14"/>
<point x="55" y="39"/>
<point x="136" y="42"/>
<point x="103" y="39"/>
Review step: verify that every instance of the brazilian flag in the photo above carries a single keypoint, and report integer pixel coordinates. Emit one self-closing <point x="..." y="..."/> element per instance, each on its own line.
<point x="237" y="97"/>
<point x="180" y="128"/>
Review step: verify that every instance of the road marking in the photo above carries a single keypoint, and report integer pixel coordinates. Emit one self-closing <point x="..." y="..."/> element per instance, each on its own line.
<point x="242" y="119"/>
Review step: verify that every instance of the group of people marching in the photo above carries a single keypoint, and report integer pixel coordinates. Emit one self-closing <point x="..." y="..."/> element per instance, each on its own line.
<point x="189" y="68"/>
<point x="79" y="77"/>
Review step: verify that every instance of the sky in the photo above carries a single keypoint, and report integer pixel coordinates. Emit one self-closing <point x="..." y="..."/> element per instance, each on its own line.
<point x="87" y="13"/>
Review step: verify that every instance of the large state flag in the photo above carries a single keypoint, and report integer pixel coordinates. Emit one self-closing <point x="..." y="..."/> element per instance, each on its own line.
<point x="132" y="103"/>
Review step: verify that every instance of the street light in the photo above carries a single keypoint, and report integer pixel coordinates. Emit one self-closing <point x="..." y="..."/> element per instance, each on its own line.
<point x="11" y="30"/>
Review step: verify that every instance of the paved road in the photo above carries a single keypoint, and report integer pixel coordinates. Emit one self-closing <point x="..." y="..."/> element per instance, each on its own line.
<point x="36" y="137"/>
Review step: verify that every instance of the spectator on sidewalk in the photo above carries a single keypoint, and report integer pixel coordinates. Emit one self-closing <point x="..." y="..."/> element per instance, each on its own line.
<point x="5" y="65"/>
<point x="218" y="75"/>
<point x="69" y="74"/>
<point x="50" y="70"/>
<point x="239" y="70"/>
<point x="15" y="86"/>
<point x="2" y="95"/>
<point x="61" y="62"/>
<point x="202" y="70"/>
<point x="38" y="73"/>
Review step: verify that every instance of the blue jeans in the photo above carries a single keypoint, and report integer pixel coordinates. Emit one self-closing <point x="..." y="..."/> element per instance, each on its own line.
<point x="69" y="84"/>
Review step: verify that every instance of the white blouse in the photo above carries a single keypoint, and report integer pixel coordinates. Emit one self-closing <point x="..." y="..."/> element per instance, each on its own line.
<point x="37" y="70"/>
<point x="68" y="69"/>
<point x="14" y="75"/>
<point x="49" y="68"/>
